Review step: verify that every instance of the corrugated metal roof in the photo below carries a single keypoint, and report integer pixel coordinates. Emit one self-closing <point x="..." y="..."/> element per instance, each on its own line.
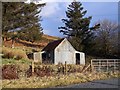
<point x="52" y="45"/>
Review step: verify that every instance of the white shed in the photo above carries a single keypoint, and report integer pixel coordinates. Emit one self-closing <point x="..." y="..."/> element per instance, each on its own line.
<point x="61" y="51"/>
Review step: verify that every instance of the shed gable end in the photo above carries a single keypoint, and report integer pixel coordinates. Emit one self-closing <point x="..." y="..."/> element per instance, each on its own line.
<point x="65" y="45"/>
<point x="65" y="52"/>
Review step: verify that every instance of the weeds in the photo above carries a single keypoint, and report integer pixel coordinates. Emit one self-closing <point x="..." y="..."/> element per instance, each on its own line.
<point x="53" y="81"/>
<point x="46" y="76"/>
<point x="13" y="53"/>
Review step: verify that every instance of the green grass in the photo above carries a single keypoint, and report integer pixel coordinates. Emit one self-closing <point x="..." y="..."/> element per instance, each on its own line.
<point x="14" y="61"/>
<point x="8" y="61"/>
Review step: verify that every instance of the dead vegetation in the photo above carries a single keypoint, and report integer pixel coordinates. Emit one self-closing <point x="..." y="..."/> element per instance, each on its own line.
<point x="57" y="80"/>
<point x="9" y="72"/>
<point x="13" y="53"/>
<point x="45" y="76"/>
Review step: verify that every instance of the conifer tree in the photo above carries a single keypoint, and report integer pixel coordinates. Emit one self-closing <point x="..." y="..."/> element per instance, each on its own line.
<point x="21" y="18"/>
<point x="33" y="30"/>
<point x="77" y="26"/>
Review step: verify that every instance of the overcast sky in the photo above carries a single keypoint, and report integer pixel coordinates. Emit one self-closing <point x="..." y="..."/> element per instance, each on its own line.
<point x="53" y="12"/>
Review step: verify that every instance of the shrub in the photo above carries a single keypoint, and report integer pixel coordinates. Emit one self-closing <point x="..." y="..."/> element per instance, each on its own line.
<point x="29" y="71"/>
<point x="9" y="72"/>
<point x="13" y="53"/>
<point x="6" y="53"/>
<point x="48" y="70"/>
<point x="39" y="71"/>
<point x="74" y="68"/>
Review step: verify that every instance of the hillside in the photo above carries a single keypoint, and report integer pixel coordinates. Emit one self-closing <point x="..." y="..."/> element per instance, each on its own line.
<point x="37" y="45"/>
<point x="50" y="37"/>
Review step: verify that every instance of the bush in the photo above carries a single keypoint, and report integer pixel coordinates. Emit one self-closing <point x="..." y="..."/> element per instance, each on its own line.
<point x="9" y="72"/>
<point x="44" y="71"/>
<point x="39" y="71"/>
<point x="74" y="68"/>
<point x="13" y="53"/>
<point x="48" y="70"/>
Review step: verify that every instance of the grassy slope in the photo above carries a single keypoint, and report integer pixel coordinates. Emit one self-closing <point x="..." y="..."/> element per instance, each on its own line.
<point x="50" y="37"/>
<point x="28" y="45"/>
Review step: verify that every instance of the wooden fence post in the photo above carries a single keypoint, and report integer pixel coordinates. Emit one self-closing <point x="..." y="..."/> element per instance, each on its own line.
<point x="114" y="66"/>
<point x="32" y="68"/>
<point x="65" y="67"/>
<point x="91" y="66"/>
<point x="107" y="65"/>
<point x="98" y="65"/>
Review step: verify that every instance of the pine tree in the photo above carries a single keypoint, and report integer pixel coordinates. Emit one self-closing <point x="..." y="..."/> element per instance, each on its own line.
<point x="19" y="19"/>
<point x="33" y="30"/>
<point x="77" y="26"/>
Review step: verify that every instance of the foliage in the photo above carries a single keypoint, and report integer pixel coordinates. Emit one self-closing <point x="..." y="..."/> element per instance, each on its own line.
<point x="22" y="18"/>
<point x="77" y="27"/>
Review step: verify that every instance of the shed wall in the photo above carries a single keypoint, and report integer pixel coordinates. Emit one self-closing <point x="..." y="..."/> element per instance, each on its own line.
<point x="37" y="57"/>
<point x="82" y="58"/>
<point x="64" y="52"/>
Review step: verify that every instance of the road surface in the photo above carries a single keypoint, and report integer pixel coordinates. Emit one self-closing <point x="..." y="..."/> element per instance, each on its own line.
<point x="110" y="83"/>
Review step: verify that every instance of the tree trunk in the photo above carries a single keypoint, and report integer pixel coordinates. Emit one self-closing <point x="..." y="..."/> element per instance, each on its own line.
<point x="13" y="41"/>
<point x="3" y="39"/>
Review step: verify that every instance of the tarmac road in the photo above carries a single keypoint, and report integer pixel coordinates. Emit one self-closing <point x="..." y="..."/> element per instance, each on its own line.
<point x="110" y="83"/>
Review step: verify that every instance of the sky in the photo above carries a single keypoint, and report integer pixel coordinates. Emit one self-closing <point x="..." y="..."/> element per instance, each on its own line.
<point x="53" y="12"/>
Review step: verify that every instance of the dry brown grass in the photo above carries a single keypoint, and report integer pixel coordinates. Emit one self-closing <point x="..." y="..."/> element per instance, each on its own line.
<point x="50" y="37"/>
<point x="13" y="53"/>
<point x="37" y="44"/>
<point x="58" y="80"/>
